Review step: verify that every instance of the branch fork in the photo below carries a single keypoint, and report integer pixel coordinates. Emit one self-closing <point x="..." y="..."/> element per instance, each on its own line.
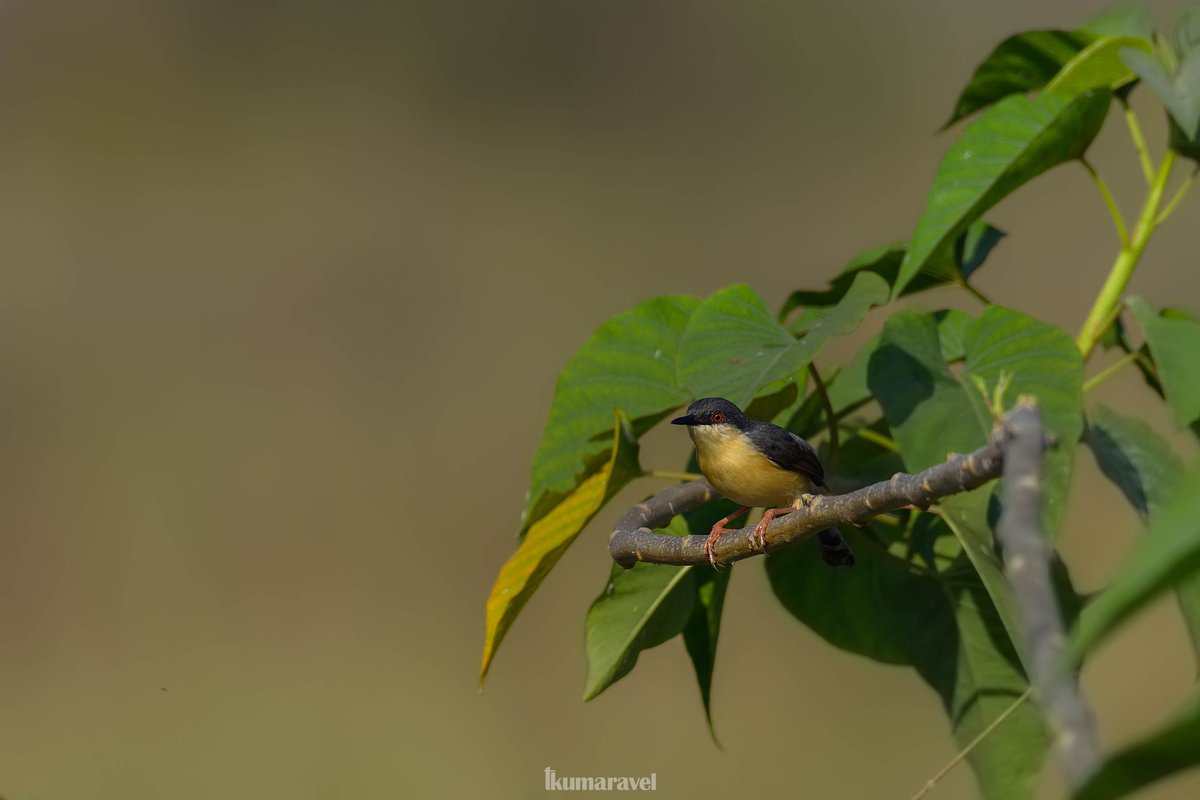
<point x="1014" y="452"/>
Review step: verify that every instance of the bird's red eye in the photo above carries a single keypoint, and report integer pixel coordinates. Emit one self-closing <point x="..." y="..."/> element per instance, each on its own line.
<point x="718" y="417"/>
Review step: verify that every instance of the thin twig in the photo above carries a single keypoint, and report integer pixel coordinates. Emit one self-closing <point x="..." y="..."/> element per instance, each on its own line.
<point x="1112" y="369"/>
<point x="966" y="751"/>
<point x="1027" y="557"/>
<point x="863" y="432"/>
<point x="1113" y="209"/>
<point x="1177" y="198"/>
<point x="831" y="419"/>
<point x="1139" y="142"/>
<point x="978" y="295"/>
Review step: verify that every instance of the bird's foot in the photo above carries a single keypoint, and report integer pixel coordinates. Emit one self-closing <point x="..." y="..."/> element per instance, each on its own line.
<point x="807" y="499"/>
<point x="758" y="537"/>
<point x="711" y="541"/>
<point x="718" y="529"/>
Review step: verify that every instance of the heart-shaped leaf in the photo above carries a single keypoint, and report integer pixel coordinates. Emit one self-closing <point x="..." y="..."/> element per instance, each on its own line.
<point x="629" y="363"/>
<point x="929" y="413"/>
<point x="954" y="264"/>
<point x="932" y="412"/>
<point x="1040" y="360"/>
<point x="1011" y="143"/>
<point x="733" y="346"/>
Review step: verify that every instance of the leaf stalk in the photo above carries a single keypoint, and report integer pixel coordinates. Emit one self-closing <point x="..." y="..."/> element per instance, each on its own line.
<point x="1122" y="269"/>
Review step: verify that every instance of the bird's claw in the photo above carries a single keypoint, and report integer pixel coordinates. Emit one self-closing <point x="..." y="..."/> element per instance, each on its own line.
<point x="758" y="537"/>
<point x="709" y="544"/>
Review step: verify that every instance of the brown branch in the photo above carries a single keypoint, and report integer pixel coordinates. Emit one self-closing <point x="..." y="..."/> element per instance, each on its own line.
<point x="1015" y="449"/>
<point x="1027" y="557"/>
<point x="633" y="541"/>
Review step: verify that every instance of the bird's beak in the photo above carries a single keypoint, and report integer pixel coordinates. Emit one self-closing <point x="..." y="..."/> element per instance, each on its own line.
<point x="684" y="420"/>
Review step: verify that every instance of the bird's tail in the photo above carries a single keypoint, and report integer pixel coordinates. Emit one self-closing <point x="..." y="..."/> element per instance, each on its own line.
<point x="834" y="549"/>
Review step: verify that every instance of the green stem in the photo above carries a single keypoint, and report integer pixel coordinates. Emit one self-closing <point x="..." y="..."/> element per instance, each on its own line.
<point x="1118" y="220"/>
<point x="830" y="415"/>
<point x="666" y="475"/>
<point x="871" y="436"/>
<point x="978" y="295"/>
<point x="1109" y="371"/>
<point x="1139" y="142"/>
<point x="1127" y="259"/>
<point x="1179" y="193"/>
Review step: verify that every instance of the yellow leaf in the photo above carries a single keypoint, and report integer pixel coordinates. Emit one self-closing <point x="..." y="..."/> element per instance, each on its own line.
<point x="549" y="537"/>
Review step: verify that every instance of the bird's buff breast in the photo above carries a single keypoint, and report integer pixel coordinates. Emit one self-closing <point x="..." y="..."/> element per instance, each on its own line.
<point x="739" y="471"/>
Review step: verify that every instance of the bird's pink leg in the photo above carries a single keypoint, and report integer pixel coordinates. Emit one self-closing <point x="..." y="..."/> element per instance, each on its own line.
<point x="717" y="530"/>
<point x="758" y="536"/>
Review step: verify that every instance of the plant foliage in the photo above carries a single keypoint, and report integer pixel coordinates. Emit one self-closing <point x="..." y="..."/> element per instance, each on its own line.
<point x="929" y="591"/>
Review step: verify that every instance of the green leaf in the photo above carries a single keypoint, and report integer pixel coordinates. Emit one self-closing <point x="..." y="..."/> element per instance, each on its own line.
<point x="973" y="248"/>
<point x="952" y="264"/>
<point x="1124" y="21"/>
<point x="637" y="612"/>
<point x="894" y="612"/>
<point x="1134" y="457"/>
<point x="848" y="388"/>
<point x="1185" y="32"/>
<point x="925" y="404"/>
<point x="883" y="261"/>
<point x="733" y="346"/>
<point x="1168" y="554"/>
<point x="1020" y="64"/>
<point x="703" y="628"/>
<point x="629" y="363"/>
<point x="1011" y="143"/>
<point x="702" y="631"/>
<point x="550" y="536"/>
<point x="927" y="409"/>
<point x="1145" y="468"/>
<point x="1181" y="143"/>
<point x="769" y="405"/>
<point x="1179" y="91"/>
<point x="1174" y="343"/>
<point x="1173" y="748"/>
<point x="933" y="413"/>
<point x="861" y="462"/>
<point x="1098" y="66"/>
<point x="952" y="327"/>
<point x="640" y="608"/>
<point x="1042" y="361"/>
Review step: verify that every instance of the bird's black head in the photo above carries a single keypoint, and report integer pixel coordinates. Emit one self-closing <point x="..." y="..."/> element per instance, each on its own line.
<point x="712" y="411"/>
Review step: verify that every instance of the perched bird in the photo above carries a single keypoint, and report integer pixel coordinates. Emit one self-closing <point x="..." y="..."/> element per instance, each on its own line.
<point x="757" y="464"/>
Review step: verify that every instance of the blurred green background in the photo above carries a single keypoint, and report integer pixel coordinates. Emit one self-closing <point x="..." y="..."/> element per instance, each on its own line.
<point x="286" y="288"/>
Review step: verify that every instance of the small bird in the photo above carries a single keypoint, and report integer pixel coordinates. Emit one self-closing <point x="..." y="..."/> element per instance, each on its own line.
<point x="757" y="464"/>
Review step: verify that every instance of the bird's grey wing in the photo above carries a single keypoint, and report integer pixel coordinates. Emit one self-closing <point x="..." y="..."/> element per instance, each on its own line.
<point x="787" y="450"/>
